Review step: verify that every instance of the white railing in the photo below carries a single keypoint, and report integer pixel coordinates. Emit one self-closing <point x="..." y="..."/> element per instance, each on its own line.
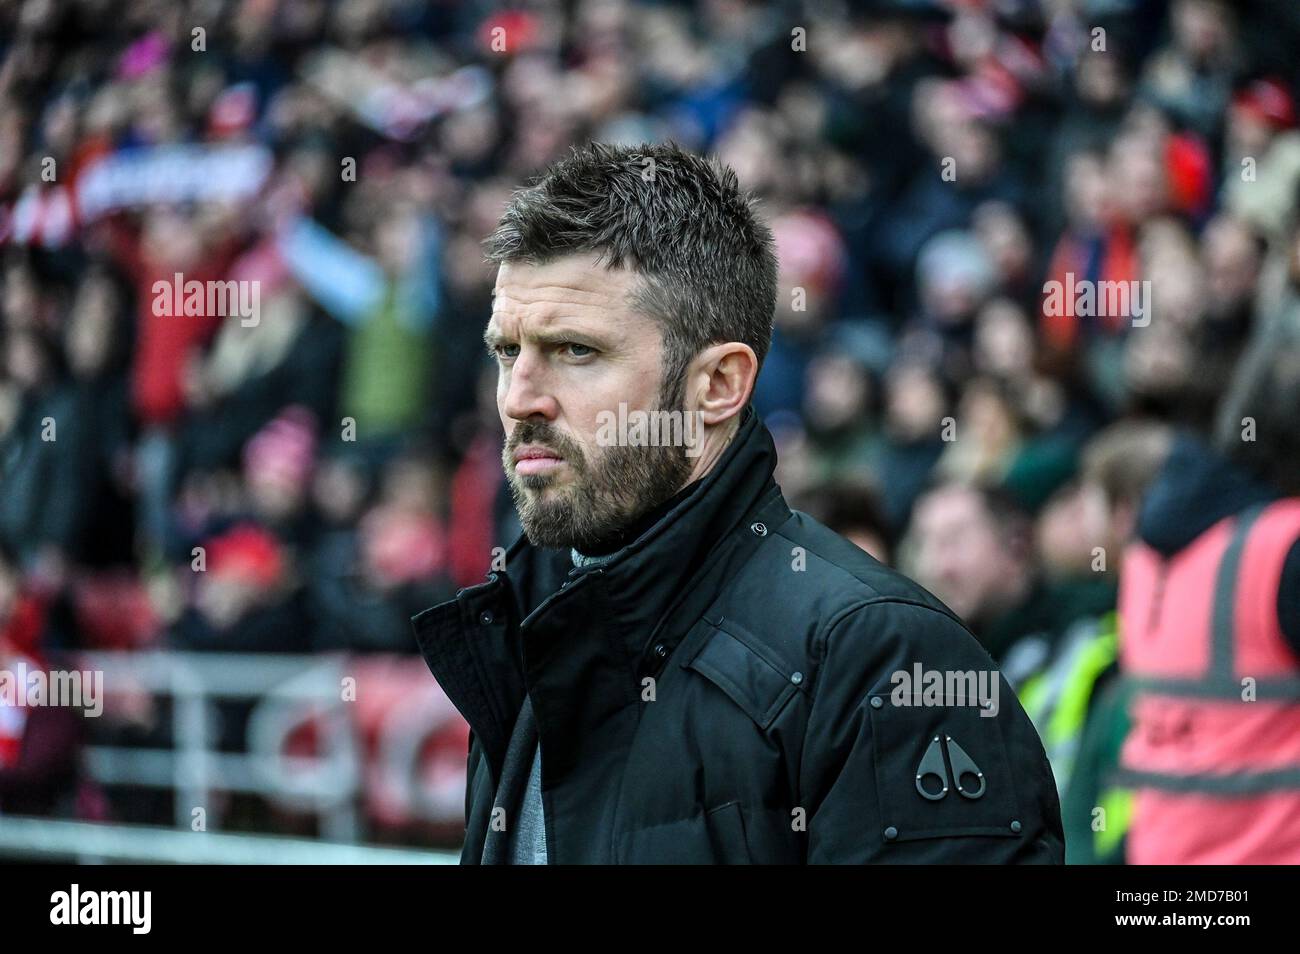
<point x="285" y="692"/>
<point x="279" y="686"/>
<point x="86" y="842"/>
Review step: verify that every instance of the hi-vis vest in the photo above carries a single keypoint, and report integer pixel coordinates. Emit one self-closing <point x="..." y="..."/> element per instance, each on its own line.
<point x="1214" y="748"/>
<point x="1060" y="701"/>
<point x="1056" y="699"/>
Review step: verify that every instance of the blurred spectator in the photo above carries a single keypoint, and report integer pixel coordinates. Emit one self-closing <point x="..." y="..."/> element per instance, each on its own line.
<point x="38" y="743"/>
<point x="1076" y="701"/>
<point x="811" y="259"/>
<point x="245" y="599"/>
<point x="1192" y="76"/>
<point x="1262" y="164"/>
<point x="1210" y="616"/>
<point x="972" y="546"/>
<point x="367" y="583"/>
<point x="853" y="511"/>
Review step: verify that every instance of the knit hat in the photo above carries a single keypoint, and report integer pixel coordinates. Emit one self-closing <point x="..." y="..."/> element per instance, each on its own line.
<point x="284" y="450"/>
<point x="248" y="553"/>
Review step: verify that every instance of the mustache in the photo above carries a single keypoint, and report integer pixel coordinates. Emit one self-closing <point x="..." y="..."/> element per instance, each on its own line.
<point x="543" y="434"/>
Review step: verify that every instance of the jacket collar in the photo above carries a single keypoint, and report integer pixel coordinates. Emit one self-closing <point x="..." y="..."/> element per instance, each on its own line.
<point x="642" y="576"/>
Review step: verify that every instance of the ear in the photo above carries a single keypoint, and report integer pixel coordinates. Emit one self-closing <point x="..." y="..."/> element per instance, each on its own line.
<point x="720" y="381"/>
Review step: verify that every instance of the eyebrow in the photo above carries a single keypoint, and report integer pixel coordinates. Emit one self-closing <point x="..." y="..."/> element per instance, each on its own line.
<point x="492" y="337"/>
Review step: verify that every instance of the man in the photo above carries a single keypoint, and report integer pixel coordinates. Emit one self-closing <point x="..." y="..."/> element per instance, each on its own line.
<point x="973" y="545"/>
<point x="673" y="667"/>
<point x="1209" y="607"/>
<point x="1076" y="702"/>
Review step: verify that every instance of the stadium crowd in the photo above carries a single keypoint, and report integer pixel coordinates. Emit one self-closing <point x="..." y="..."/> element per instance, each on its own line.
<point x="331" y="463"/>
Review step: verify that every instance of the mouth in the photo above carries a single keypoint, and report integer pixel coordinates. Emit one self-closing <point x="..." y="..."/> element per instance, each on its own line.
<point x="533" y="459"/>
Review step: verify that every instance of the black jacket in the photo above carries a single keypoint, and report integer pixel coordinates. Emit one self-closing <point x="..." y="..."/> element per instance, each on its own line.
<point x="720" y="692"/>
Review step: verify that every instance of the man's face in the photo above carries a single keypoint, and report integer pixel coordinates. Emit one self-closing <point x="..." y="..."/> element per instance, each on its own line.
<point x="569" y="346"/>
<point x="960" y="556"/>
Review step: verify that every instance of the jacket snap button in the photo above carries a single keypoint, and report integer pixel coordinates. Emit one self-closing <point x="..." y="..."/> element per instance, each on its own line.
<point x="759" y="528"/>
<point x="1015" y="826"/>
<point x="661" y="651"/>
<point x="796" y="678"/>
<point x="877" y="702"/>
<point x="485" y="618"/>
<point x="891" y="833"/>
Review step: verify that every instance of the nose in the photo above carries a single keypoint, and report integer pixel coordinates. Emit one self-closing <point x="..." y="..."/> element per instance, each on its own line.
<point x="523" y="392"/>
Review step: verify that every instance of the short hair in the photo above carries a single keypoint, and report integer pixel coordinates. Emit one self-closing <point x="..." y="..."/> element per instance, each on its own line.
<point x="845" y="504"/>
<point x="1125" y="458"/>
<point x="1007" y="513"/>
<point x="678" y="220"/>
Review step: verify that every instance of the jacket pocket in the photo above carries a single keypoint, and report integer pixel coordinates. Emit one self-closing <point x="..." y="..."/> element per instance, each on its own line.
<point x="713" y="837"/>
<point x="731" y="658"/>
<point x="941" y="772"/>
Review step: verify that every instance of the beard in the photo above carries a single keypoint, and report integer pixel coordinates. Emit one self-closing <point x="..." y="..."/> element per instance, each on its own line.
<point x="605" y="493"/>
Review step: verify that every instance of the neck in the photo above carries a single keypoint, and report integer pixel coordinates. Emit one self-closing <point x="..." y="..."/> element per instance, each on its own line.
<point x="714" y="445"/>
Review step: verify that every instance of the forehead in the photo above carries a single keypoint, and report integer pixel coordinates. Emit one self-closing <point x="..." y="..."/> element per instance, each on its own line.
<point x="575" y="286"/>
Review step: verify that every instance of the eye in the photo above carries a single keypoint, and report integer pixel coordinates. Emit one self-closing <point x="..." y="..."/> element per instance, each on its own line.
<point x="579" y="350"/>
<point x="505" y="351"/>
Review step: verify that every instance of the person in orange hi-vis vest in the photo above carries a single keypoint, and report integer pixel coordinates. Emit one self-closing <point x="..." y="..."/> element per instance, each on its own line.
<point x="1209" y="607"/>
